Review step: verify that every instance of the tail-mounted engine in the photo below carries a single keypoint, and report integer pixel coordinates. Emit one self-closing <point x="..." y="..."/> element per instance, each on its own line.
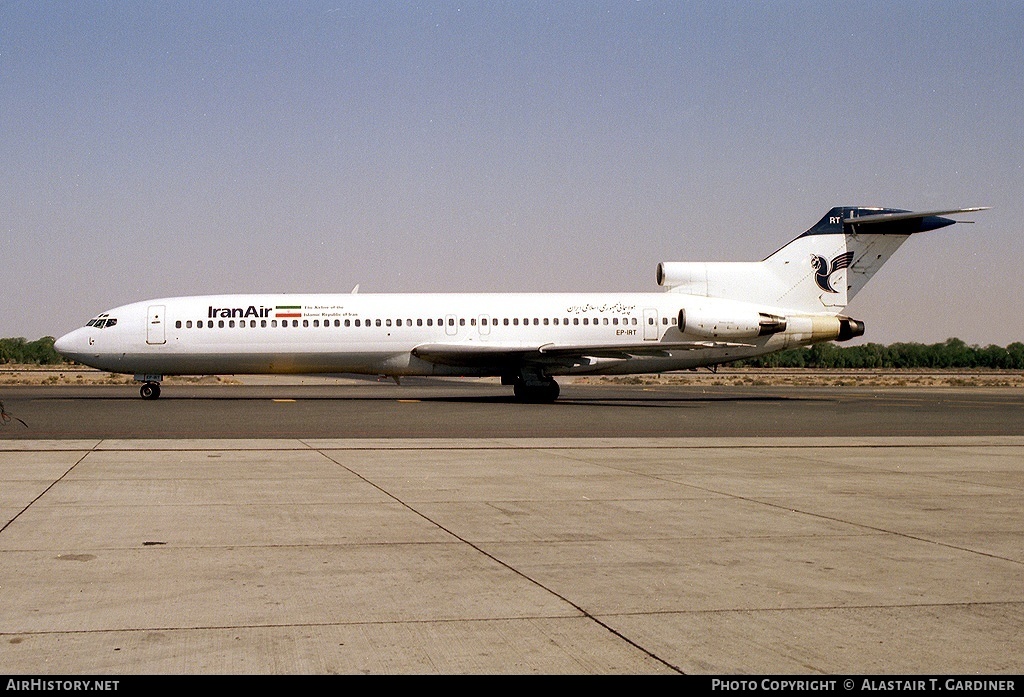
<point x="742" y="325"/>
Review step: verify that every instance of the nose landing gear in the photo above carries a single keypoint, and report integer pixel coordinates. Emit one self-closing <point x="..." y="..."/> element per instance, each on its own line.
<point x="150" y="385"/>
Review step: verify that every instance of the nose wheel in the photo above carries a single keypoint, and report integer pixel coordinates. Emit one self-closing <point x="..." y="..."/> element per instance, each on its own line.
<point x="150" y="390"/>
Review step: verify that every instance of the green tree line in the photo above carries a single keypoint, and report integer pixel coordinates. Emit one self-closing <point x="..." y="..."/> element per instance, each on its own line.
<point x="952" y="353"/>
<point x="38" y="352"/>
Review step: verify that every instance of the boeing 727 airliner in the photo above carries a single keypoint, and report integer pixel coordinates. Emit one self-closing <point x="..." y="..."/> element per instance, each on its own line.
<point x="711" y="313"/>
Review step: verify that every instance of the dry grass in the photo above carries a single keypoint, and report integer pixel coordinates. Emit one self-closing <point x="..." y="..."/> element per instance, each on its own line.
<point x="809" y="377"/>
<point x="80" y="375"/>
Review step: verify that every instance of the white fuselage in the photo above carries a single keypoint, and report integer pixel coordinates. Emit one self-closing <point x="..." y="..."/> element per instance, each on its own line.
<point x="379" y="333"/>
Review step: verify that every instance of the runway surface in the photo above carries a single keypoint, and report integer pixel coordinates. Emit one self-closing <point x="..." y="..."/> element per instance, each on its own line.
<point x="486" y="410"/>
<point x="450" y="530"/>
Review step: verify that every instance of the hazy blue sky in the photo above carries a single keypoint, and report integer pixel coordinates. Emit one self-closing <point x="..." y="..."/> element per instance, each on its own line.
<point x="181" y="148"/>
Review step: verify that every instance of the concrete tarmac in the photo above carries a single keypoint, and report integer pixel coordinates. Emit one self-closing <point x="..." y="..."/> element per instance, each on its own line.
<point x="479" y="409"/>
<point x="864" y="554"/>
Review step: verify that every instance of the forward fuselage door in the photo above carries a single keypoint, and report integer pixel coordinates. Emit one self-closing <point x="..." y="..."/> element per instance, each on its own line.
<point x="484" y="322"/>
<point x="155" y="325"/>
<point x="650" y="324"/>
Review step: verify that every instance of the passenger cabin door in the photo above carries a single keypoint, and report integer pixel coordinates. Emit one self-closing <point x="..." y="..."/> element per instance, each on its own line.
<point x="650" y="324"/>
<point x="155" y="325"/>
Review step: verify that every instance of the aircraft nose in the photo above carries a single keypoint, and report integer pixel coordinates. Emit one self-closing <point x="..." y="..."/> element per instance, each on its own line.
<point x="71" y="344"/>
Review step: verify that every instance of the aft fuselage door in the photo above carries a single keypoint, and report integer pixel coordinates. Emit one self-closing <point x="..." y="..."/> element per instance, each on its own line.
<point x="155" y="325"/>
<point x="650" y="324"/>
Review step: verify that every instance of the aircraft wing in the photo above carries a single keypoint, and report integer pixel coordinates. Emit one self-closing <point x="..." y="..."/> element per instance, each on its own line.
<point x="487" y="353"/>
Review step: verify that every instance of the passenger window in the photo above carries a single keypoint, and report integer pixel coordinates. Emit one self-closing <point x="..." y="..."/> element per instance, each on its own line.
<point x="177" y="325"/>
<point x="387" y="322"/>
<point x="263" y="323"/>
<point x="188" y="324"/>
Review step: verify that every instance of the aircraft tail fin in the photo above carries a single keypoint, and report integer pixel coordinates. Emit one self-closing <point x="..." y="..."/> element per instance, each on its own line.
<point x="818" y="272"/>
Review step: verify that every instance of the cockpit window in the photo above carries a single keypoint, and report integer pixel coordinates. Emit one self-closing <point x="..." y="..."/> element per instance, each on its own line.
<point x="101" y="322"/>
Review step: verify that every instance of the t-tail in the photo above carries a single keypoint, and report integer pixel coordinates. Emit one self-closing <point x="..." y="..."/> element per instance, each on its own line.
<point x="817" y="273"/>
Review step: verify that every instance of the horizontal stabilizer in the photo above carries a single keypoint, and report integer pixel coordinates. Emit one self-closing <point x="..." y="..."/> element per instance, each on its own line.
<point x="883" y="221"/>
<point x="907" y="215"/>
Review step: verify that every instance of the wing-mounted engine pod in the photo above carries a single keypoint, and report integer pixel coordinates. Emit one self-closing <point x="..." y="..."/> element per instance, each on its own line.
<point x="745" y="325"/>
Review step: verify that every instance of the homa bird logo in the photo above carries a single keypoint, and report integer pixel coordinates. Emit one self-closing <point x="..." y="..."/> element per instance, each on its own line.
<point x="823" y="270"/>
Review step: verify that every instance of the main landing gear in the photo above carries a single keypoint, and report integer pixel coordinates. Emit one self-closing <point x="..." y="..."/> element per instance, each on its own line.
<point x="533" y="387"/>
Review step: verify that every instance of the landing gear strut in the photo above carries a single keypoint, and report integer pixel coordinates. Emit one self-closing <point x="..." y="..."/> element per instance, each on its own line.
<point x="150" y="390"/>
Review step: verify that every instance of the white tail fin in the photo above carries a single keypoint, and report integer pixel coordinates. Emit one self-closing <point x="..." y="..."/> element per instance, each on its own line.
<point x="818" y="272"/>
